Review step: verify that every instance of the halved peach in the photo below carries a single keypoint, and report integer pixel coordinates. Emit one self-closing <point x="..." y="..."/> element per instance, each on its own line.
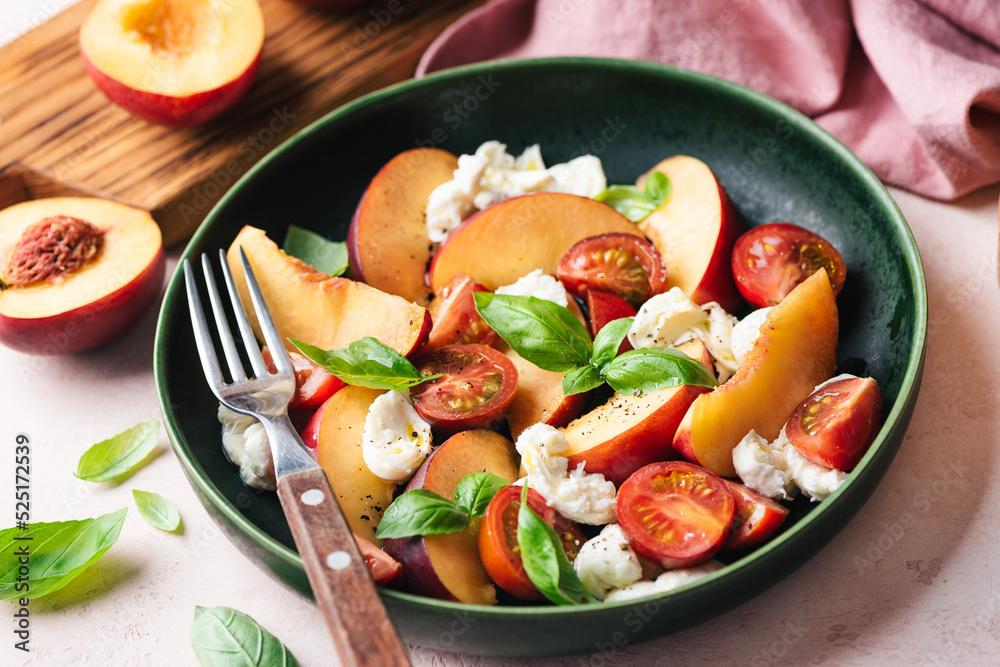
<point x="318" y="309"/>
<point x="795" y="351"/>
<point x="695" y="232"/>
<point x="504" y="242"/>
<point x="448" y="566"/>
<point x="75" y="272"/>
<point x="387" y="241"/>
<point x="173" y="62"/>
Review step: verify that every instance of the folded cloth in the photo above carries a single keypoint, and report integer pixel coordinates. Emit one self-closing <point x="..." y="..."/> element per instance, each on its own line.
<point x="912" y="87"/>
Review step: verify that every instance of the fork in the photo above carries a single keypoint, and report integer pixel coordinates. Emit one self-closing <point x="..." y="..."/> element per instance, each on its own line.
<point x="341" y="583"/>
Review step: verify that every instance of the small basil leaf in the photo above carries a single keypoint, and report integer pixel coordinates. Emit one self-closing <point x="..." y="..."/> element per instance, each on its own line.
<point x="628" y="200"/>
<point x="609" y="339"/>
<point x="545" y="560"/>
<point x="422" y="512"/>
<point x="579" y="380"/>
<point x="58" y="552"/>
<point x="476" y="490"/>
<point x="658" y="188"/>
<point x="640" y="371"/>
<point x="367" y="362"/>
<point x="544" y="333"/>
<point x="117" y="456"/>
<point x="321" y="254"/>
<point x="156" y="510"/>
<point x="225" y="637"/>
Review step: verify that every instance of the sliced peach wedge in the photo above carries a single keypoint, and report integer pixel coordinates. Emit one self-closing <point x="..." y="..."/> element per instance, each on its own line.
<point x="506" y="241"/>
<point x="173" y="62"/>
<point x="313" y="307"/>
<point x="695" y="232"/>
<point x="795" y="351"/>
<point x="387" y="241"/>
<point x="75" y="272"/>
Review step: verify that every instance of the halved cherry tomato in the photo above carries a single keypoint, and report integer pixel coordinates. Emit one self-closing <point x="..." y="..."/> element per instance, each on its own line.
<point x="756" y="517"/>
<point x="835" y="426"/>
<point x="456" y="320"/>
<point x="384" y="568"/>
<point x="313" y="385"/>
<point x="770" y="260"/>
<point x="604" y="307"/>
<point x="675" y="513"/>
<point x="623" y="264"/>
<point x="498" y="546"/>
<point x="476" y="390"/>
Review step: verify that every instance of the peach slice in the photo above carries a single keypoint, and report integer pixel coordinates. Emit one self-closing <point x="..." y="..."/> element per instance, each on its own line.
<point x="695" y="232"/>
<point x="540" y="398"/>
<point x="173" y="62"/>
<point x="315" y="308"/>
<point x="795" y="351"/>
<point x="363" y="496"/>
<point x="387" y="241"/>
<point x="109" y="272"/>
<point x="448" y="566"/>
<point x="506" y="241"/>
<point x="629" y="432"/>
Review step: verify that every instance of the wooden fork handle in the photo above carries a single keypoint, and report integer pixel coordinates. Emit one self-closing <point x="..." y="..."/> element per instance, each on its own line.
<point x="342" y="585"/>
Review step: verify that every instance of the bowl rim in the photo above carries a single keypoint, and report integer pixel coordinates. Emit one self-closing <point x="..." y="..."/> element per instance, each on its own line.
<point x="797" y="120"/>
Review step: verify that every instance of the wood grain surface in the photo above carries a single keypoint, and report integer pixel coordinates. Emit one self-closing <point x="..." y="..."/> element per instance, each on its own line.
<point x="59" y="135"/>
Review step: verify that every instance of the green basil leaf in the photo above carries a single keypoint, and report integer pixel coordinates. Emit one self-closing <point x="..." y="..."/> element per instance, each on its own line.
<point x="40" y="558"/>
<point x="640" y="371"/>
<point x="658" y="188"/>
<point x="476" y="490"/>
<point x="156" y="510"/>
<point x="579" y="380"/>
<point x="544" y="333"/>
<point x="366" y="362"/>
<point x="422" y="512"/>
<point x="545" y="560"/>
<point x="628" y="200"/>
<point x="117" y="456"/>
<point x="226" y="637"/>
<point x="321" y="254"/>
<point x="609" y="339"/>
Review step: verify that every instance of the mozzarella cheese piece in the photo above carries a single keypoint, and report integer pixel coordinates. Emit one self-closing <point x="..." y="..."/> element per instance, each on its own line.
<point x="672" y="318"/>
<point x="396" y="439"/>
<point x="762" y="467"/>
<point x="493" y="175"/>
<point x="667" y="581"/>
<point x="746" y="332"/>
<point x="538" y="285"/>
<point x="607" y="562"/>
<point x="246" y="445"/>
<point x="816" y="481"/>
<point x="577" y="495"/>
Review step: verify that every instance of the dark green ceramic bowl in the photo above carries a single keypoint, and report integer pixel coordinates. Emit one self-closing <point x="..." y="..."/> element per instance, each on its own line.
<point x="776" y="165"/>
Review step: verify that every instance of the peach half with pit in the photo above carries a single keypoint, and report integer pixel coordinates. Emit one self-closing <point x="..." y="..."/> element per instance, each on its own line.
<point x="75" y="272"/>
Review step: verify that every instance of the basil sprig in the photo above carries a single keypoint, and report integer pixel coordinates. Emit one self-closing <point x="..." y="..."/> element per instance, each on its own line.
<point x="226" y="637"/>
<point x="550" y="336"/>
<point x="636" y="204"/>
<point x="320" y="253"/>
<point x="545" y="560"/>
<point x="367" y="362"/>
<point x="423" y="512"/>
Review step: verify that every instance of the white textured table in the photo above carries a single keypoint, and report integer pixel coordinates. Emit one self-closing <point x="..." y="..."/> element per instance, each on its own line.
<point x="912" y="580"/>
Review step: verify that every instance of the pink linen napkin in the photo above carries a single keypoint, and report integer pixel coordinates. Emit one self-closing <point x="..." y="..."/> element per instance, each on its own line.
<point x="913" y="88"/>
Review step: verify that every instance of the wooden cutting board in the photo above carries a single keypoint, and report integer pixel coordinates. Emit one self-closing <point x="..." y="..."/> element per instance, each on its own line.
<point x="59" y="135"/>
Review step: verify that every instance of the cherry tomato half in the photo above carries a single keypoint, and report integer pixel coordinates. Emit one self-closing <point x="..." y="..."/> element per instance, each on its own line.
<point x="313" y="385"/>
<point x="623" y="264"/>
<point x="835" y="426"/>
<point x="770" y="260"/>
<point x="756" y="517"/>
<point x="476" y="390"/>
<point x="498" y="546"/>
<point x="675" y="513"/>
<point x="604" y="307"/>
<point x="456" y="320"/>
<point x="384" y="568"/>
